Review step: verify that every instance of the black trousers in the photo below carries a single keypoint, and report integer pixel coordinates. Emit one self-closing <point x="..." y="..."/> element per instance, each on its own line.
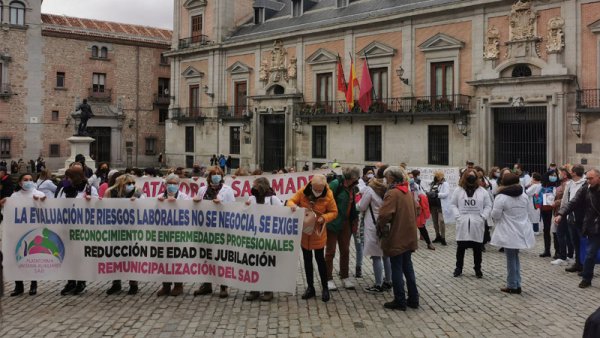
<point x="547" y="220"/>
<point x="308" y="266"/>
<point x="576" y="237"/>
<point x="425" y="234"/>
<point x="461" y="247"/>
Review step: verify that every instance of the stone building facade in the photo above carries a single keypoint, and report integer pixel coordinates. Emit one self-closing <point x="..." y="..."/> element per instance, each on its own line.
<point x="495" y="82"/>
<point x="51" y="63"/>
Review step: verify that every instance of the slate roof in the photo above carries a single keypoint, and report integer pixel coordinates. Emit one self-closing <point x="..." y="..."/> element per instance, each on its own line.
<point x="324" y="13"/>
<point x="105" y="29"/>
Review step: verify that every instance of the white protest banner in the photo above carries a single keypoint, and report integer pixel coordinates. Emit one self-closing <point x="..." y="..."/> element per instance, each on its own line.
<point x="284" y="185"/>
<point x="451" y="174"/>
<point x="252" y="247"/>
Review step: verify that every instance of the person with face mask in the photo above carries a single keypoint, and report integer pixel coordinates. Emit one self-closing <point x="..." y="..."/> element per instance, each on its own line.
<point x="262" y="193"/>
<point x="75" y="186"/>
<point x="27" y="189"/>
<point x="439" y="206"/>
<point x="493" y="176"/>
<point x="172" y="194"/>
<point x="548" y="192"/>
<point x="364" y="180"/>
<point x="472" y="205"/>
<point x="423" y="205"/>
<point x="340" y="230"/>
<point x="100" y="176"/>
<point x="217" y="191"/>
<point x="124" y="188"/>
<point x="44" y="183"/>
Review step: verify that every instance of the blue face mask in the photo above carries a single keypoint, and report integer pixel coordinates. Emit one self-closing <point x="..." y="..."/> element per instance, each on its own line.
<point x="553" y="179"/>
<point x="215" y="179"/>
<point x="28" y="185"/>
<point x="129" y="188"/>
<point x="172" y="188"/>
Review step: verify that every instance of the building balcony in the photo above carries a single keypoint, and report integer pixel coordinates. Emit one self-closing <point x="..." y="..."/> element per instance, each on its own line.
<point x="409" y="107"/>
<point x="588" y="101"/>
<point x="5" y="91"/>
<point x="162" y="99"/>
<point x="193" y="41"/>
<point x="189" y="114"/>
<point x="100" y="94"/>
<point x="235" y="113"/>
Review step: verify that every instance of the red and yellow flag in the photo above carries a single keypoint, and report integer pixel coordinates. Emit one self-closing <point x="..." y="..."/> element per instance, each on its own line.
<point x="352" y="81"/>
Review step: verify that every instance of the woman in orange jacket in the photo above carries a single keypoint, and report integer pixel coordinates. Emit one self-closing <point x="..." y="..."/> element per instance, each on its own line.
<point x="315" y="196"/>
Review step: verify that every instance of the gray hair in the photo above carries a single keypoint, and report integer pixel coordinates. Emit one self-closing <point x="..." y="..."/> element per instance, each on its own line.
<point x="353" y="172"/>
<point x="172" y="177"/>
<point x="596" y="171"/>
<point x="397" y="173"/>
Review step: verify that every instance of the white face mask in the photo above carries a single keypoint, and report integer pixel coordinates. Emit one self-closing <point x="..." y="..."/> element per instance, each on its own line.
<point x="370" y="176"/>
<point x="315" y="193"/>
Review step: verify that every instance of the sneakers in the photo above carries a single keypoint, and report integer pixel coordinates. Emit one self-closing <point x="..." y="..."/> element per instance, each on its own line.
<point x="584" y="284"/>
<point x="537" y="233"/>
<point x="374" y="289"/>
<point x="558" y="262"/>
<point x="331" y="285"/>
<point x="347" y="282"/>
<point x="457" y="272"/>
<point x="576" y="267"/>
<point x="69" y="288"/>
<point x="545" y="254"/>
<point x="358" y="273"/>
<point x="394" y="306"/>
<point x="387" y="285"/>
<point x="516" y="291"/>
<point x="79" y="289"/>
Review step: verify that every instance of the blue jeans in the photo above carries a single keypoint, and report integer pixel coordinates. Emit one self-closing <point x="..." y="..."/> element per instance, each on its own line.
<point x="402" y="267"/>
<point x="590" y="257"/>
<point x="513" y="268"/>
<point x="381" y="264"/>
<point x="536" y="227"/>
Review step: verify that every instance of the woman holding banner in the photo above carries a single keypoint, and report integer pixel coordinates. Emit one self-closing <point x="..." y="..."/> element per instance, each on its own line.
<point x="318" y="199"/>
<point x="75" y="186"/>
<point x="217" y="191"/>
<point x="124" y="188"/>
<point x="262" y="193"/>
<point x="26" y="190"/>
<point x="172" y="194"/>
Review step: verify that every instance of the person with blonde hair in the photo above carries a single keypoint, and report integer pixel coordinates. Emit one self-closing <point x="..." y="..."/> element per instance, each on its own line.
<point x="44" y="183"/>
<point x="317" y="198"/>
<point x="439" y="206"/>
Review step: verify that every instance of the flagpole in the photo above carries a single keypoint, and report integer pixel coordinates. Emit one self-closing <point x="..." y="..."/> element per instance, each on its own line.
<point x="340" y="61"/>
<point x="352" y="62"/>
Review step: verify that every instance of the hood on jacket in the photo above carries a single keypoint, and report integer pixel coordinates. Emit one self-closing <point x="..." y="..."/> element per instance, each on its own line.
<point x="378" y="186"/>
<point x="309" y="193"/>
<point x="513" y="190"/>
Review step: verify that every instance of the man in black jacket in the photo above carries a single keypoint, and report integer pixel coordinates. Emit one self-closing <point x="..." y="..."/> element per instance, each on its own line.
<point x="588" y="198"/>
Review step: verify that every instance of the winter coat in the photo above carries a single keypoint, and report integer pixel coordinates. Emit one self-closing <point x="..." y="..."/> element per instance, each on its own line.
<point x="269" y="200"/>
<point x="471" y="213"/>
<point x="324" y="206"/>
<point x="398" y="209"/>
<point x="28" y="194"/>
<point x="225" y="194"/>
<point x="343" y="199"/>
<point x="80" y="192"/>
<point x="589" y="200"/>
<point x="47" y="187"/>
<point x="510" y="214"/>
<point x="533" y="212"/>
<point x="571" y="190"/>
<point x="425" y="213"/>
<point x="446" y="199"/>
<point x="372" y="196"/>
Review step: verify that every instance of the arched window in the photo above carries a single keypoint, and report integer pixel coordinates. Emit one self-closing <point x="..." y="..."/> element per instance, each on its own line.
<point x="94" y="51"/>
<point x="521" y="71"/>
<point x="104" y="52"/>
<point x="17" y="13"/>
<point x="278" y="90"/>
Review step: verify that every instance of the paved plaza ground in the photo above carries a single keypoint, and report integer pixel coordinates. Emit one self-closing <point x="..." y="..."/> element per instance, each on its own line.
<point x="551" y="305"/>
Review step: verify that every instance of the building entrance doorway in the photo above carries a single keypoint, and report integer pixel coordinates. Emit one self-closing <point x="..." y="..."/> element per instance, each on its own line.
<point x="273" y="127"/>
<point x="100" y="148"/>
<point x="520" y="136"/>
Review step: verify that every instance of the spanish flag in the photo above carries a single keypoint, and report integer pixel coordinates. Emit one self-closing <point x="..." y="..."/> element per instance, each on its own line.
<point x="352" y="81"/>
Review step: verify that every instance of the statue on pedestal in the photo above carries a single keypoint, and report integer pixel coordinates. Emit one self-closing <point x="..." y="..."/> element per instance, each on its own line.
<point x="86" y="114"/>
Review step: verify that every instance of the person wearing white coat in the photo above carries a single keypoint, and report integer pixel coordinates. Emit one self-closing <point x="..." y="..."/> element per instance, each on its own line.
<point x="27" y="191"/>
<point x="472" y="204"/>
<point x="534" y="211"/>
<point x="369" y="204"/>
<point x="513" y="230"/>
<point x="217" y="191"/>
<point x="44" y="184"/>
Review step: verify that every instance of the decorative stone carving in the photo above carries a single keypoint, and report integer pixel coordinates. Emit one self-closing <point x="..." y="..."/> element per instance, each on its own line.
<point x="522" y="21"/>
<point x="292" y="68"/>
<point x="278" y="62"/>
<point x="263" y="73"/>
<point x="491" y="50"/>
<point x="555" y="42"/>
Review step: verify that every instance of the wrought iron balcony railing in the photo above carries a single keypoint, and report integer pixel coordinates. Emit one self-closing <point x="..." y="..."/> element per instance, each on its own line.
<point x="99" y="94"/>
<point x="234" y="113"/>
<point x="5" y="90"/>
<point x="403" y="105"/>
<point x="191" y="114"/>
<point x="162" y="99"/>
<point x="588" y="100"/>
<point x="193" y="41"/>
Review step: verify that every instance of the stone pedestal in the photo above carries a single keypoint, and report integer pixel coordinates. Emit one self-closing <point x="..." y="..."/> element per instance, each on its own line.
<point x="79" y="145"/>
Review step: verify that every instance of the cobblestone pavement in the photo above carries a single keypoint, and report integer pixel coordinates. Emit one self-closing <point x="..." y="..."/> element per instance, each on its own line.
<point x="551" y="305"/>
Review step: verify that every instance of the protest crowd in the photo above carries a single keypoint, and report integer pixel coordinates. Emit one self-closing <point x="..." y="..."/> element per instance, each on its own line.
<point x="382" y="210"/>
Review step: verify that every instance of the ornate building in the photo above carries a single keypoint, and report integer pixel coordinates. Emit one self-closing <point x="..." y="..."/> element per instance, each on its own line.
<point x="496" y="82"/>
<point x="50" y="63"/>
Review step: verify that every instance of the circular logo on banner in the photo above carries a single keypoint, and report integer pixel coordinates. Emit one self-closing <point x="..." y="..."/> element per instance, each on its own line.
<point x="40" y="250"/>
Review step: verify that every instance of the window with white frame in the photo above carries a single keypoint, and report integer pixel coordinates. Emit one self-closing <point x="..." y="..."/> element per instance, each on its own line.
<point x="98" y="82"/>
<point x="17" y="13"/>
<point x="379" y="78"/>
<point x="4" y="147"/>
<point x="259" y="15"/>
<point x="342" y="3"/>
<point x="296" y="8"/>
